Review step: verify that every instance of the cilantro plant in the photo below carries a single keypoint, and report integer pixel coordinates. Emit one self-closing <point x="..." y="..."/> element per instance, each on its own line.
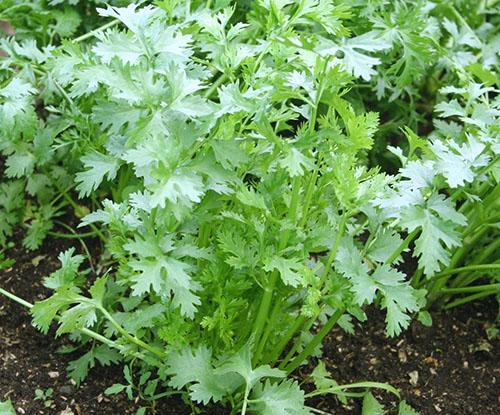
<point x="38" y="165"/>
<point x="49" y="21"/>
<point x="234" y="159"/>
<point x="7" y="408"/>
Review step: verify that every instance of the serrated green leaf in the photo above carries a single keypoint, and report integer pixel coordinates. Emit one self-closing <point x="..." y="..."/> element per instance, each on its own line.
<point x="115" y="389"/>
<point x="99" y="166"/>
<point x="285" y="398"/>
<point x="371" y="406"/>
<point x="79" y="369"/>
<point x="6" y="408"/>
<point x="187" y="366"/>
<point x="405" y="409"/>
<point x="287" y="268"/>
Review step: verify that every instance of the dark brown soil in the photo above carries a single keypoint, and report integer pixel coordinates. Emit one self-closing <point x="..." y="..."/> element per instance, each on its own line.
<point x="30" y="360"/>
<point x="451" y="368"/>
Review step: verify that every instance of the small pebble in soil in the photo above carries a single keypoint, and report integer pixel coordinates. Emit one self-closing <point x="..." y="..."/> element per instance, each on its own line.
<point x="66" y="390"/>
<point x="431" y="361"/>
<point x="413" y="377"/>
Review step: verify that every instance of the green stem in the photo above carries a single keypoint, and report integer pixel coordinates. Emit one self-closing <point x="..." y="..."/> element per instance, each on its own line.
<point x="298" y="323"/>
<point x="439" y="283"/>
<point x="293" y="209"/>
<point x="163" y="395"/>
<point x="60" y="196"/>
<point x="94" y="32"/>
<point x="14" y="7"/>
<point x="319" y="94"/>
<point x="15" y="298"/>
<point x="220" y="80"/>
<point x="469" y="298"/>
<point x="80" y="239"/>
<point x="308" y="196"/>
<point x="333" y="251"/>
<point x="416" y="279"/>
<point x="466" y="279"/>
<point x="468" y="241"/>
<point x="316" y="340"/>
<point x="464" y="22"/>
<point x="458" y="192"/>
<point x="157" y="352"/>
<point x="402" y="247"/>
<point x="203" y="239"/>
<point x="438" y="293"/>
<point x="123" y="182"/>
<point x="467" y="204"/>
<point x="294" y="202"/>
<point x="85" y="331"/>
<point x="478" y="267"/>
<point x="60" y="88"/>
<point x="269" y="290"/>
<point x="75" y="207"/>
<point x="72" y="236"/>
<point x="473" y="289"/>
<point x="245" y="400"/>
<point x="370" y="385"/>
<point x="301" y="320"/>
<point x="491" y="198"/>
<point x="268" y="330"/>
<point x="264" y="307"/>
<point x="306" y="328"/>
<point x="319" y="411"/>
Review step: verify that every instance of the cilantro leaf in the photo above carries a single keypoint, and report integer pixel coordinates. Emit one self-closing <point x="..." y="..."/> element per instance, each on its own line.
<point x="371" y="406"/>
<point x="98" y="165"/>
<point x="438" y="226"/>
<point x="195" y="368"/>
<point x="285" y="398"/>
<point x="287" y="268"/>
<point x="166" y="276"/>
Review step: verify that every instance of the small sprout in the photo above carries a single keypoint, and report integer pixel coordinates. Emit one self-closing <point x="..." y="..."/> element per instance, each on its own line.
<point x="45" y="396"/>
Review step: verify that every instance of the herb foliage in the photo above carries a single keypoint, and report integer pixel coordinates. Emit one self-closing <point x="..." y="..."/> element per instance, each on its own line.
<point x="234" y="159"/>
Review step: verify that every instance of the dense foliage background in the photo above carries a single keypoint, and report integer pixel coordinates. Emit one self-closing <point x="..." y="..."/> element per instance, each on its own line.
<point x="257" y="172"/>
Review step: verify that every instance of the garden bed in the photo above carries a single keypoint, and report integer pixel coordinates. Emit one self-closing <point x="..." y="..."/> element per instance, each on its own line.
<point x="199" y="196"/>
<point x="450" y="368"/>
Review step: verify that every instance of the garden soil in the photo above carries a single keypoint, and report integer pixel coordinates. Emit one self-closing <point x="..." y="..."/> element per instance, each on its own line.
<point x="451" y="368"/>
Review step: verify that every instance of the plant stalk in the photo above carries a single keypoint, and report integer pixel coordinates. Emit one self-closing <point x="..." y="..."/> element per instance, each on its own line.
<point x="298" y="323"/>
<point x="406" y="242"/>
<point x="94" y="32"/>
<point x="85" y="331"/>
<point x="333" y="251"/>
<point x="371" y="385"/>
<point x="478" y="267"/>
<point x="469" y="298"/>
<point x="269" y="290"/>
<point x="301" y="320"/>
<point x="472" y="289"/>
<point x="316" y="340"/>
<point x="157" y="352"/>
